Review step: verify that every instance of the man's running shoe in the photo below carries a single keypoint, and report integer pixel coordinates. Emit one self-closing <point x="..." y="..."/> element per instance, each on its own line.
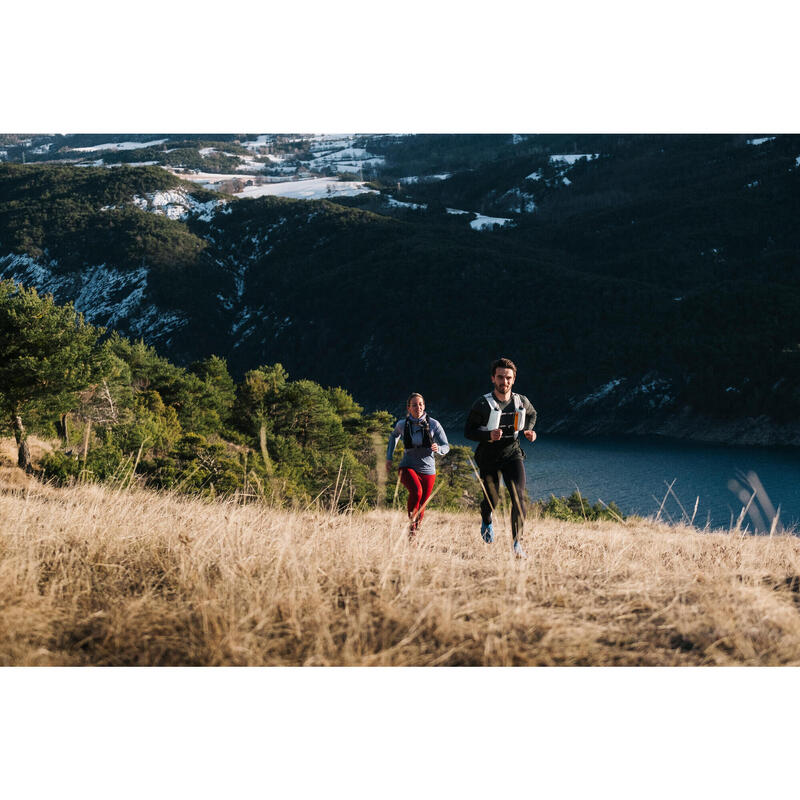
<point x="518" y="551"/>
<point x="487" y="532"/>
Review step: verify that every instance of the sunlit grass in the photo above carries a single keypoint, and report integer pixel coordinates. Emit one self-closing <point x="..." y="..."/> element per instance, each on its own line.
<point x="90" y="575"/>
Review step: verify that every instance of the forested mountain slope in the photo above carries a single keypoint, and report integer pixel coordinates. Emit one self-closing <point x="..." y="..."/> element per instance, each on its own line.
<point x="653" y="277"/>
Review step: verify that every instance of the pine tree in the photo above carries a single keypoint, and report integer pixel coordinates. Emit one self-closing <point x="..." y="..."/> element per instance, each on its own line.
<point x="47" y="353"/>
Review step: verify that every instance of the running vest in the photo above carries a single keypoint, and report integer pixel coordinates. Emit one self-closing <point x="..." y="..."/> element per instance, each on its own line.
<point x="494" y="413"/>
<point x="427" y="440"/>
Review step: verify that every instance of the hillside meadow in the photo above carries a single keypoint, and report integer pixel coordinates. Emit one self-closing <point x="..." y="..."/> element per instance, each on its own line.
<point x="95" y="575"/>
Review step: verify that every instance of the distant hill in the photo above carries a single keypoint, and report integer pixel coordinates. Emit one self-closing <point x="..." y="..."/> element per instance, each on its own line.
<point x="634" y="279"/>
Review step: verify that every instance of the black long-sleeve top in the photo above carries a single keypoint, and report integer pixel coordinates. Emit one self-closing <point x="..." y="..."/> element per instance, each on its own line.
<point x="505" y="448"/>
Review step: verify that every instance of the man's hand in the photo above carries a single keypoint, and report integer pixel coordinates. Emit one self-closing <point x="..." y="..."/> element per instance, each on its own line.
<point x="495" y="435"/>
<point x="530" y="435"/>
<point x="435" y="447"/>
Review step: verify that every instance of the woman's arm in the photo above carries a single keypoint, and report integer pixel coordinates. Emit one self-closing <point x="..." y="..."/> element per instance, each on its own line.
<point x="440" y="439"/>
<point x="394" y="438"/>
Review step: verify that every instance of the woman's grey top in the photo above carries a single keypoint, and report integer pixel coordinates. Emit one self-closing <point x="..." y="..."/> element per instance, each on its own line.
<point x="418" y="458"/>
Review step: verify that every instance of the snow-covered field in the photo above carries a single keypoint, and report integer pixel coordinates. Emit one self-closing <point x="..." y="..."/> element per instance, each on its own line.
<point x="259" y="141"/>
<point x="118" y="146"/>
<point x="348" y="159"/>
<point x="311" y="189"/>
<point x="208" y="179"/>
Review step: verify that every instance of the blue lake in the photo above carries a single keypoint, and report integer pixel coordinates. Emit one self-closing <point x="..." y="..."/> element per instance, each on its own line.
<point x="635" y="472"/>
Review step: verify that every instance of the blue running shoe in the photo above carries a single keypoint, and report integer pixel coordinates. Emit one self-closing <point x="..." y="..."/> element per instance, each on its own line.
<point x="487" y="532"/>
<point x="518" y="551"/>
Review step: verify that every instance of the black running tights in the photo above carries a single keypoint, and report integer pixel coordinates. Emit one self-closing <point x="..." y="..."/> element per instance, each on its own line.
<point x="513" y="473"/>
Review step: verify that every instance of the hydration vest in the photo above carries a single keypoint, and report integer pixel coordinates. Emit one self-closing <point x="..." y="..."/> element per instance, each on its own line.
<point x="493" y="422"/>
<point x="427" y="439"/>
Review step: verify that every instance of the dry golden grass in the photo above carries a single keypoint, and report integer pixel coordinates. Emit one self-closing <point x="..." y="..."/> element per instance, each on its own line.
<point x="93" y="576"/>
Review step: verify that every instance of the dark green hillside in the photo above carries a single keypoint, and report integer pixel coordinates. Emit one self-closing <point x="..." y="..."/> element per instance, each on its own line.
<point x="669" y="261"/>
<point x="353" y="297"/>
<point x="83" y="216"/>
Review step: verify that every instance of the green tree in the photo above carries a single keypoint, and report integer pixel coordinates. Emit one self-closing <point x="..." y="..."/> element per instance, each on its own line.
<point x="256" y="399"/>
<point x="47" y="353"/>
<point x="219" y="391"/>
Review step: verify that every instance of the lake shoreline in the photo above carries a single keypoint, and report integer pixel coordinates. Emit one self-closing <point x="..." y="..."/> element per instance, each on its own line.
<point x="684" y="427"/>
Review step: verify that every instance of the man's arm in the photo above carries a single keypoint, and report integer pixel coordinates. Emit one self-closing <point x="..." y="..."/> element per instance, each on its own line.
<point x="478" y="416"/>
<point x="530" y="419"/>
<point x="530" y="413"/>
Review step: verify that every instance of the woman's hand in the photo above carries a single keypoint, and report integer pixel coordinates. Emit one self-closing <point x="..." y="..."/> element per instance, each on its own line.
<point x="530" y="435"/>
<point x="435" y="447"/>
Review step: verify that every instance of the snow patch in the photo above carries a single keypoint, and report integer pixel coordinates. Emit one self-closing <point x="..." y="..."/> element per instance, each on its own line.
<point x="572" y="158"/>
<point x="443" y="176"/>
<point x="534" y="176"/>
<point x="482" y="223"/>
<point x="400" y="204"/>
<point x="106" y="296"/>
<point x="177" y="204"/>
<point x="761" y="140"/>
<point x="251" y="164"/>
<point x="602" y="392"/>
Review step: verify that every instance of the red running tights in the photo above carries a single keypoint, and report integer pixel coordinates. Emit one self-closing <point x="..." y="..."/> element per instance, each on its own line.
<point x="419" y="489"/>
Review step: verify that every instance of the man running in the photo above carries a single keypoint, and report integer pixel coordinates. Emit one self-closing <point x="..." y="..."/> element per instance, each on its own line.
<point x="495" y="422"/>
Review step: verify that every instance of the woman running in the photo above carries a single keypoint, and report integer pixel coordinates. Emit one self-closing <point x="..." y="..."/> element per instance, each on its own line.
<point x="422" y="437"/>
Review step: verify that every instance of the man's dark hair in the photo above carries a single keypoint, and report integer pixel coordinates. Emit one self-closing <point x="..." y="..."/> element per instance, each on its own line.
<point x="503" y="363"/>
